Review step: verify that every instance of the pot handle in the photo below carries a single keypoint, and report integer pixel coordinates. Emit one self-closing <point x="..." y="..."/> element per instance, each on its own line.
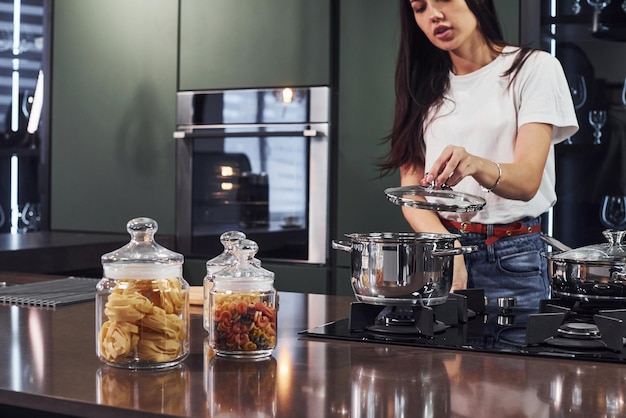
<point x="618" y="277"/>
<point x="455" y="251"/>
<point x="342" y="245"/>
<point x="554" y="242"/>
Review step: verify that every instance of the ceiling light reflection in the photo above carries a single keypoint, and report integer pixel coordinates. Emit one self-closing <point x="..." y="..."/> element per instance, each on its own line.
<point x="36" y="334"/>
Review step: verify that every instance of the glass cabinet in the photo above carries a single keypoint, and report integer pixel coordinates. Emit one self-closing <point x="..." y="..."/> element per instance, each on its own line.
<point x="589" y="38"/>
<point x="22" y="30"/>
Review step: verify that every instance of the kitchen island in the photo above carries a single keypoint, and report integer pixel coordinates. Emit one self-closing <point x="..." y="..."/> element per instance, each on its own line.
<point x="48" y="367"/>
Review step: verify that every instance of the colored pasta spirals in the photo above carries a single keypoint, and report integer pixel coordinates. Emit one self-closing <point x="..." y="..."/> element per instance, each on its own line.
<point x="242" y="323"/>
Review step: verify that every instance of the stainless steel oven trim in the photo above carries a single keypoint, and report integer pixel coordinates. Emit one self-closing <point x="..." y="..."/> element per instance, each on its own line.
<point x="184" y="153"/>
<point x="319" y="189"/>
<point x="198" y="131"/>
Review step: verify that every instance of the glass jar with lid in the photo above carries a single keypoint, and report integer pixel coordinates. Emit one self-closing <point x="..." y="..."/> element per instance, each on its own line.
<point x="230" y="240"/>
<point x="243" y="307"/>
<point x="142" y="303"/>
<point x="227" y="258"/>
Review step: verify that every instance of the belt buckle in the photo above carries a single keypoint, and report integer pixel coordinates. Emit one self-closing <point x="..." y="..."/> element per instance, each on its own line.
<point x="463" y="228"/>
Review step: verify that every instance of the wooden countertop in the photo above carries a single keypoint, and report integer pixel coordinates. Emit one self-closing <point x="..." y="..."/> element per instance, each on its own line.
<point x="48" y="363"/>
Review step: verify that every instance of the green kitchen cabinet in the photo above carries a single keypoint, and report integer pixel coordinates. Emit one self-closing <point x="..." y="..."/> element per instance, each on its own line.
<point x="269" y="43"/>
<point x="112" y="113"/>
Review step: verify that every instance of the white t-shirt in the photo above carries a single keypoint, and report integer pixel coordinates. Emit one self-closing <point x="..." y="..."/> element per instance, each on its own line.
<point x="484" y="116"/>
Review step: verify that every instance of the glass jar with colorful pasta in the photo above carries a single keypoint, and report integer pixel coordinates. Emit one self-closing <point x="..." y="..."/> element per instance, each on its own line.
<point x="142" y="303"/>
<point x="243" y="307"/>
<point x="230" y="240"/>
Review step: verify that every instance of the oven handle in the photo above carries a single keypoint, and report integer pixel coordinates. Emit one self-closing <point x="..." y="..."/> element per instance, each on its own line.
<point x="215" y="133"/>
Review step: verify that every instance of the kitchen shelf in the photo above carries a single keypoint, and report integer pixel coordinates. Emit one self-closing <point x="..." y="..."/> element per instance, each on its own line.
<point x="584" y="19"/>
<point x="581" y="147"/>
<point x="20" y="152"/>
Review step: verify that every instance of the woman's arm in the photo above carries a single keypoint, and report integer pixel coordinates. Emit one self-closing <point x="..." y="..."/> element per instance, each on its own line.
<point x="520" y="180"/>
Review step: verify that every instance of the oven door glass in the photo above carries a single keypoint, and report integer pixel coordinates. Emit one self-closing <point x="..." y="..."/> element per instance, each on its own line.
<point x="254" y="161"/>
<point x="254" y="184"/>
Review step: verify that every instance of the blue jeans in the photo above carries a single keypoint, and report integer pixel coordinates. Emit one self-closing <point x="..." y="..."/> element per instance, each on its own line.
<point x="510" y="267"/>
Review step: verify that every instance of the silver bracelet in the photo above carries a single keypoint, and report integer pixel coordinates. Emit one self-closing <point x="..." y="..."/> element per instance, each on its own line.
<point x="487" y="190"/>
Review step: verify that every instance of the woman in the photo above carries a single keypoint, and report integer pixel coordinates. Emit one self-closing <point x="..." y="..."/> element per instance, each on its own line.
<point x="481" y="116"/>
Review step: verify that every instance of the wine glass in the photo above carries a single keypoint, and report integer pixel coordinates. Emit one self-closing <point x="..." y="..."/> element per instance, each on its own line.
<point x="578" y="90"/>
<point x="597" y="119"/>
<point x="613" y="212"/>
<point x="624" y="88"/>
<point x="31" y="216"/>
<point x="598" y="6"/>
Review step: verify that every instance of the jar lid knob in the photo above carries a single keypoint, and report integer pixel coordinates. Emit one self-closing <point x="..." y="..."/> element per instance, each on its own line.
<point x="230" y="239"/>
<point x="142" y="229"/>
<point x="247" y="249"/>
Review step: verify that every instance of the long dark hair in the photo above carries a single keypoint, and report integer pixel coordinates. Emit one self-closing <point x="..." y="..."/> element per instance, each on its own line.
<point x="422" y="78"/>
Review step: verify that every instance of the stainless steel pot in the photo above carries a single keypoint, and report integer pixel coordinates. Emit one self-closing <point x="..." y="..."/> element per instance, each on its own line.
<point x="402" y="268"/>
<point x="595" y="272"/>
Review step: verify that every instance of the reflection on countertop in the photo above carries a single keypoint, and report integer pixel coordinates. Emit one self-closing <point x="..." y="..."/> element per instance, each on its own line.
<point x="49" y="363"/>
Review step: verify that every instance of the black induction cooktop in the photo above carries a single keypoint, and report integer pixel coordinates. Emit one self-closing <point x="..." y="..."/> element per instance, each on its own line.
<point x="557" y="328"/>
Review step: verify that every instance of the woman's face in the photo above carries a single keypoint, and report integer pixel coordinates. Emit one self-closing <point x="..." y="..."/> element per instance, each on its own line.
<point x="448" y="24"/>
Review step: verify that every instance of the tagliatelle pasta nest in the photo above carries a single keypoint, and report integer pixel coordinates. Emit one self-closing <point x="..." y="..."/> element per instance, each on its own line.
<point x="117" y="339"/>
<point x="144" y="321"/>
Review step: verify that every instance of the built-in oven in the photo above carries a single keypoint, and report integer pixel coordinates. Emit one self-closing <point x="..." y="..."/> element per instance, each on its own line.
<point x="255" y="161"/>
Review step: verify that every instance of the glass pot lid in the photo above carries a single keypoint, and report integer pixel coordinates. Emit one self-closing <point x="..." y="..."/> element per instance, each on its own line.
<point x="441" y="200"/>
<point x="613" y="251"/>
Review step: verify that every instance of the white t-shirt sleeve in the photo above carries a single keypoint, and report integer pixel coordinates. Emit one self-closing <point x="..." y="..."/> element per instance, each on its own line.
<point x="545" y="97"/>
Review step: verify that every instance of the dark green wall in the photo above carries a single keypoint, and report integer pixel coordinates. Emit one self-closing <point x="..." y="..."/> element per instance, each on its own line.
<point x="368" y="38"/>
<point x="508" y="13"/>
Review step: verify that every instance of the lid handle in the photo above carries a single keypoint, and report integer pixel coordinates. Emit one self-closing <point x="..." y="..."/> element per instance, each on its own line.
<point x="614" y="236"/>
<point x="142" y="229"/>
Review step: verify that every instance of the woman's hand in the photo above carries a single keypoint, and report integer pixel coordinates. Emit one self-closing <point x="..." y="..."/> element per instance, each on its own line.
<point x="451" y="167"/>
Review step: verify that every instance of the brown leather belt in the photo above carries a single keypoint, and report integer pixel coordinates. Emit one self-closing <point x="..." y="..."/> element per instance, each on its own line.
<point x="499" y="231"/>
